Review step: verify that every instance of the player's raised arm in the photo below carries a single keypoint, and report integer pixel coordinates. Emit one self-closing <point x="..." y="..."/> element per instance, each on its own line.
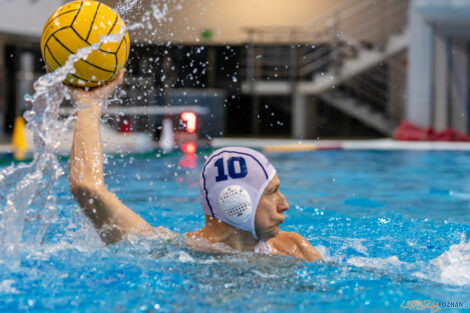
<point x="110" y="216"/>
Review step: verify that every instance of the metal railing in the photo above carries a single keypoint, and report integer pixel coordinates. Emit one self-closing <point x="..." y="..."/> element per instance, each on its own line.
<point x="325" y="42"/>
<point x="375" y="87"/>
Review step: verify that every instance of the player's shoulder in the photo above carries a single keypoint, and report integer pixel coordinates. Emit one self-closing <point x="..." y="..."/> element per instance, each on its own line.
<point x="288" y="241"/>
<point x="295" y="245"/>
<point x="290" y="236"/>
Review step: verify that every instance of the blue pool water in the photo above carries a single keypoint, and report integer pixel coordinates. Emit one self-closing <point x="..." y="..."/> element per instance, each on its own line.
<point x="391" y="225"/>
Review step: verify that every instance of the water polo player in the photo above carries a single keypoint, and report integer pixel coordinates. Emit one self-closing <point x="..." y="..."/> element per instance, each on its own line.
<point x="240" y="193"/>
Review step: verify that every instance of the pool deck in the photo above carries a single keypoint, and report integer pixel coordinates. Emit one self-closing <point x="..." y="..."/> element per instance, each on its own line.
<point x="133" y="143"/>
<point x="290" y="145"/>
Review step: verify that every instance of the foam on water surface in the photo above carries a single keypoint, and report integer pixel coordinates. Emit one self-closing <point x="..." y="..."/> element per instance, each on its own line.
<point x="452" y="267"/>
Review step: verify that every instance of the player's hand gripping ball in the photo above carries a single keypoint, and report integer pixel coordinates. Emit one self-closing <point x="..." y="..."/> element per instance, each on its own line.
<point x="80" y="24"/>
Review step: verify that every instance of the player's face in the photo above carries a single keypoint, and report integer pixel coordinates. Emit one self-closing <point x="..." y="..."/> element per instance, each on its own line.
<point x="269" y="214"/>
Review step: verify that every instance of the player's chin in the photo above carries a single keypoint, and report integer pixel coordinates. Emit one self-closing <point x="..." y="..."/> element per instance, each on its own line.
<point x="270" y="233"/>
<point x="276" y="231"/>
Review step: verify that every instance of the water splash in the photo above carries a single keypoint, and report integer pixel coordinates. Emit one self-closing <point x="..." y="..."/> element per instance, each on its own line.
<point x="125" y="6"/>
<point x="159" y="9"/>
<point x="451" y="268"/>
<point x="27" y="204"/>
<point x="159" y="13"/>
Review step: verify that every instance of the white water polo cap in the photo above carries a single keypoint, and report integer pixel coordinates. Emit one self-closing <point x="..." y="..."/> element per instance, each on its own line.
<point x="232" y="182"/>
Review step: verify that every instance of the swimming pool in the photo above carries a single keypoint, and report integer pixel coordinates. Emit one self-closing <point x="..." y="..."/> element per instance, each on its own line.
<point x="390" y="225"/>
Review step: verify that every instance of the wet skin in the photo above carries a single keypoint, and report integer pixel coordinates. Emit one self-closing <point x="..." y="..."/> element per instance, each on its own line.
<point x="269" y="215"/>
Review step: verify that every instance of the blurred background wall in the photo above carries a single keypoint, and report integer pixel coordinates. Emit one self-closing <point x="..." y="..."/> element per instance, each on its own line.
<point x="228" y="20"/>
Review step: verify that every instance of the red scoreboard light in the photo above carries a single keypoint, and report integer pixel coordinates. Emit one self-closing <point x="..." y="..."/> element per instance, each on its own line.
<point x="190" y="118"/>
<point x="186" y="139"/>
<point x="189" y="148"/>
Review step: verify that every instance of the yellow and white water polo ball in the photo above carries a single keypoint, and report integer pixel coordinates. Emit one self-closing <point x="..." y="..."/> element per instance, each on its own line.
<point x="80" y="24"/>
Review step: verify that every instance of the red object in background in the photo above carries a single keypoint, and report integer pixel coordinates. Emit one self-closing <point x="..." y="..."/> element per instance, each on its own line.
<point x="125" y="125"/>
<point x="189" y="148"/>
<point x="182" y="137"/>
<point x="190" y="118"/>
<point x="407" y="131"/>
<point x="188" y="161"/>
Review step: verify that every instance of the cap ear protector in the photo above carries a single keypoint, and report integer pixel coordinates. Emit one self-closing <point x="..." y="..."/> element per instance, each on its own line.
<point x="235" y="203"/>
<point x="232" y="182"/>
